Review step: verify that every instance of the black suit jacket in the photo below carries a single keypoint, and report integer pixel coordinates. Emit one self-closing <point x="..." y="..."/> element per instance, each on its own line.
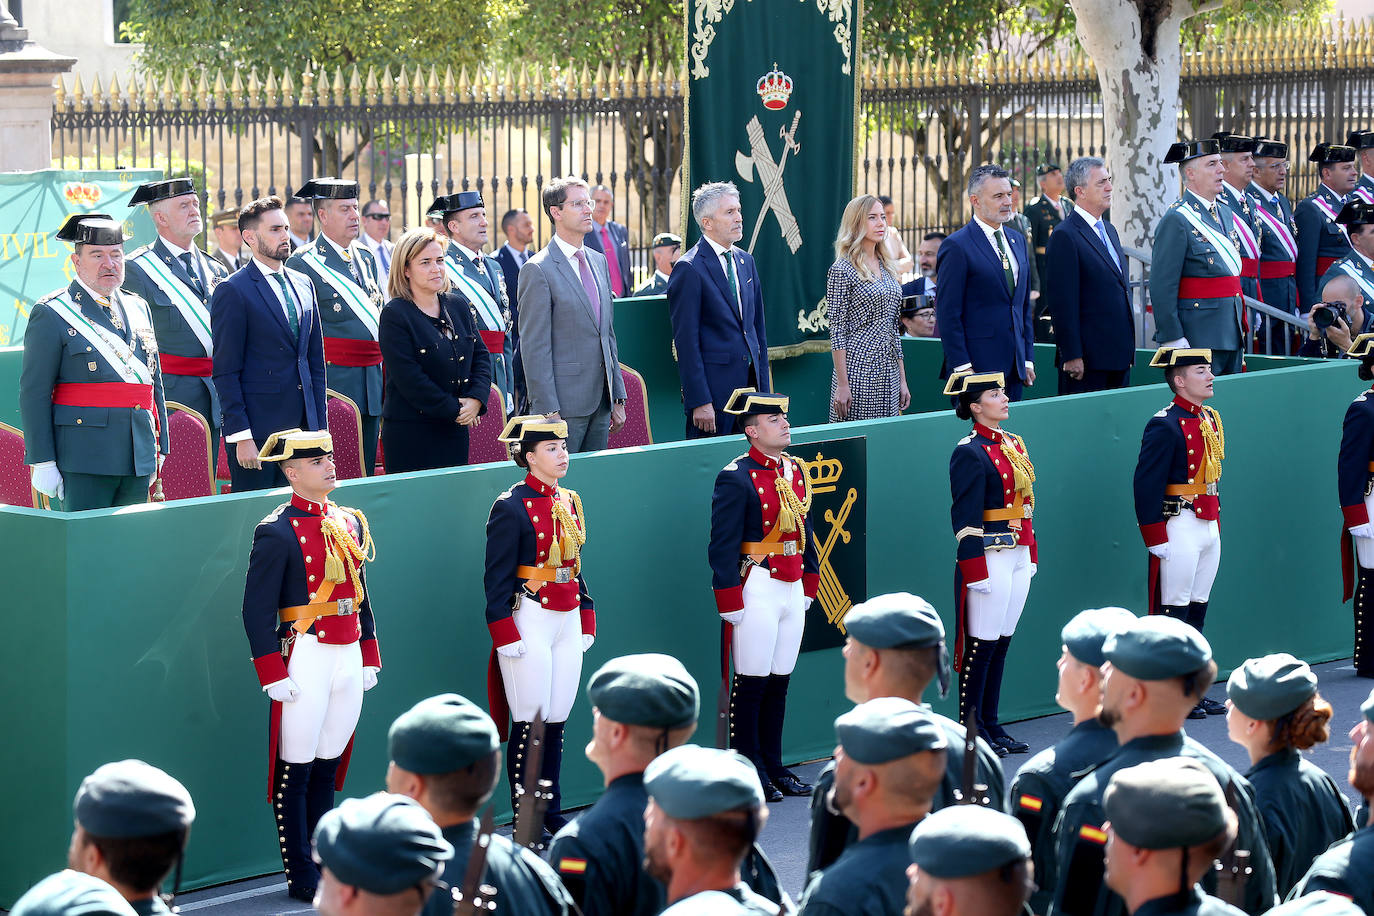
<point x="621" y="237"/>
<point x="426" y="373"/>
<point x="1089" y="297"/>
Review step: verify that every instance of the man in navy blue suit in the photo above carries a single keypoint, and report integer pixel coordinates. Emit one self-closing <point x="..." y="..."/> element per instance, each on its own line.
<point x="983" y="309"/>
<point x="268" y="348"/>
<point x="611" y="239"/>
<point x="1088" y="289"/>
<point x="716" y="306"/>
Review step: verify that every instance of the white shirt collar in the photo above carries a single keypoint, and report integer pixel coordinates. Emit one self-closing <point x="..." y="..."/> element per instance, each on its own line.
<point x="93" y="294"/>
<point x="176" y="251"/>
<point x="1326" y="187"/>
<point x="660" y="275"/>
<point x="569" y="250"/>
<point x="1367" y="262"/>
<point x="473" y="256"/>
<point x="1234" y="191"/>
<point x="718" y="249"/>
<point x="267" y="271"/>
<point x="370" y="243"/>
<point x="1200" y="199"/>
<point x="989" y="229"/>
<point x="330" y="242"/>
<point x="515" y="251"/>
<point x="1088" y="218"/>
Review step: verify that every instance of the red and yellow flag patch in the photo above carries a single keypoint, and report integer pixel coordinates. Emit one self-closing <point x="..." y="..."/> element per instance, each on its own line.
<point x="1096" y="834"/>
<point x="1031" y="803"/>
<point x="572" y="866"/>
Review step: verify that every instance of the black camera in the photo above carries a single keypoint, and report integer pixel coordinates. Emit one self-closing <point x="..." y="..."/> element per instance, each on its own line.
<point x="1325" y="315"/>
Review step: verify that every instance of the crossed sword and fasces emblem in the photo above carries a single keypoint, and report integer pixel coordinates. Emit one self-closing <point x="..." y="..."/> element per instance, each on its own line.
<point x="830" y="593"/>
<point x="760" y="158"/>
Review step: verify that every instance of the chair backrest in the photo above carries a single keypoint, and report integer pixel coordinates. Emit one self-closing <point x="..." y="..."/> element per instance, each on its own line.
<point x="484" y="439"/>
<point x="636" y="429"/>
<point x="16" y="486"/>
<point x="346" y="429"/>
<point x="186" y="473"/>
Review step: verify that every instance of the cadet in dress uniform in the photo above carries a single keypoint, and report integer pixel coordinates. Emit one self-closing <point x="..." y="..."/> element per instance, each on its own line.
<point x="379" y="856"/>
<point x="889" y="764"/>
<point x="895" y="647"/>
<point x="310" y="628"/>
<point x="446" y="755"/>
<point x="132" y="823"/>
<point x="1195" y="283"/>
<point x="71" y="893"/>
<point x="705" y="812"/>
<point x="1275" y="713"/>
<point x="539" y="611"/>
<point x="1238" y="163"/>
<point x="1158" y="667"/>
<point x="176" y="278"/>
<point x="348" y="291"/>
<point x="1355" y="482"/>
<point x="1039" y="787"/>
<point x="90" y="393"/>
<point x="969" y="861"/>
<point x="1321" y="241"/>
<point x="765" y="573"/>
<point x="990" y="478"/>
<point x="1279" y="242"/>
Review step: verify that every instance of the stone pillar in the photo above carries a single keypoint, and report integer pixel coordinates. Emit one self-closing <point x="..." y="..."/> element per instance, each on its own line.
<point x="27" y="76"/>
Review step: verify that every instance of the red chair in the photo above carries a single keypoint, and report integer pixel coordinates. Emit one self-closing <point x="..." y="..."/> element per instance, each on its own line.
<point x="222" y="469"/>
<point x="346" y="429"/>
<point x="484" y="439"/>
<point x="186" y="473"/>
<point x="636" y="429"/>
<point x="16" y="486"/>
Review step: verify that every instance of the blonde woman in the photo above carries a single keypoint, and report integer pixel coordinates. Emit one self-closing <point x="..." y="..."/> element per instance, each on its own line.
<point x="862" y="299"/>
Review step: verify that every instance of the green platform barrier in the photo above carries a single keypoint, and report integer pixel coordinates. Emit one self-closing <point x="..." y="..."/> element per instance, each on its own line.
<point x="124" y="634"/>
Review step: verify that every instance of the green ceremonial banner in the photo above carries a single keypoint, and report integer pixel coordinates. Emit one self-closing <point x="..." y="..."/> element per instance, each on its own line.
<point x="771" y="106"/>
<point x="33" y="206"/>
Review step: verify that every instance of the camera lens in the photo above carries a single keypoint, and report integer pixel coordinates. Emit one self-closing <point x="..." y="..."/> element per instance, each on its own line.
<point x="1323" y="317"/>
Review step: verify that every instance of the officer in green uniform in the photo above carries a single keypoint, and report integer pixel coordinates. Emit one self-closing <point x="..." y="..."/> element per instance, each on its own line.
<point x="132" y="823"/>
<point x="1040" y="785"/>
<point x="664" y="250"/>
<point x="1156" y="669"/>
<point x="1043" y="329"/>
<point x="969" y="861"/>
<point x="71" y="893"/>
<point x="378" y="856"/>
<point x="705" y="811"/>
<point x="895" y="646"/>
<point x="1347" y="868"/>
<point x="1167" y="822"/>
<point x="888" y="765"/>
<point x="90" y="393"/>
<point x="1275" y="713"/>
<point x="1047" y="211"/>
<point x="445" y="754"/>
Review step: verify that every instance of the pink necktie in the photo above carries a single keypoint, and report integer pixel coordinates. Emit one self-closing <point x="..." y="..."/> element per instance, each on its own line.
<point x="589" y="285"/>
<point x="612" y="262"/>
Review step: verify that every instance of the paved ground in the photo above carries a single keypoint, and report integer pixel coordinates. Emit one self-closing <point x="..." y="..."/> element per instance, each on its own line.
<point x="784" y="838"/>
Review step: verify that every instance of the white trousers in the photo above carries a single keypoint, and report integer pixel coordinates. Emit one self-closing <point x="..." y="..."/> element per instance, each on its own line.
<point x="768" y="639"/>
<point x="995" y="614"/>
<point x="545" y="679"/>
<point x="1187" y="574"/>
<point x="321" y="720"/>
<point x="1364" y="547"/>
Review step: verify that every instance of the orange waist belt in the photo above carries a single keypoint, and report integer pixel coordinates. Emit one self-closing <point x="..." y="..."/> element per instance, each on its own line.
<point x="341" y="608"/>
<point x="1190" y="489"/>
<point x="556" y="574"/>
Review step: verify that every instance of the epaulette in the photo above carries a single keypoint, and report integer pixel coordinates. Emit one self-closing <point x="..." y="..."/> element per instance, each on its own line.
<point x="52" y="295"/>
<point x="966" y="440"/>
<point x="734" y="463"/>
<point x="1165" y="411"/>
<point x="1176" y="204"/>
<point x="273" y="515"/>
<point x="139" y="252"/>
<point x="1359" y="398"/>
<point x="506" y="494"/>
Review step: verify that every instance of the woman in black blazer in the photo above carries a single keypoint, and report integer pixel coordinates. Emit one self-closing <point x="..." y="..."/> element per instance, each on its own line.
<point x="438" y="373"/>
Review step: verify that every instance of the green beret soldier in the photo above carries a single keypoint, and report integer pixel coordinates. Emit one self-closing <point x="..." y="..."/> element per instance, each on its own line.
<point x="969" y="861"/>
<point x="71" y="893"/>
<point x="665" y="250"/>
<point x="1167" y="822"/>
<point x="446" y="755"/>
<point x="1042" y="782"/>
<point x="1276" y="713"/>
<point x="888" y="767"/>
<point x="1320" y="903"/>
<point x="378" y="856"/>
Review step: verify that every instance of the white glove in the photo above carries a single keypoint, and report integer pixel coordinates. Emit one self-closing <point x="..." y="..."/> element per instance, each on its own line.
<point x="587" y="640"/>
<point x="283" y="691"/>
<point x="512" y="649"/>
<point x="1182" y="342"/>
<point x="369" y="677"/>
<point x="1363" y="531"/>
<point x="806" y="603"/>
<point x="47" y="479"/>
<point x="982" y="587"/>
<point x="1161" y="551"/>
<point x="1034" y="568"/>
<point x="734" y="617"/>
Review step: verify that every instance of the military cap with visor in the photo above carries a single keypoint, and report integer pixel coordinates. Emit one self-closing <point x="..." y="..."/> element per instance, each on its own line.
<point x="296" y="443"/>
<point x="91" y="229"/>
<point x="153" y="191"/>
<point x="1185" y="150"/>
<point x="329" y="189"/>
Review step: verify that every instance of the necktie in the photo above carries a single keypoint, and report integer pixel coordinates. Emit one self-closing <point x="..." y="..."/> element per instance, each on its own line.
<point x="734" y="280"/>
<point x="190" y="265"/>
<point x="110" y="312"/>
<point x="612" y="262"/>
<point x="386" y="258"/>
<point x="589" y="285"/>
<point x="290" y="303"/>
<point x="1111" y="252"/>
<point x="1006" y="262"/>
<point x="353" y="268"/>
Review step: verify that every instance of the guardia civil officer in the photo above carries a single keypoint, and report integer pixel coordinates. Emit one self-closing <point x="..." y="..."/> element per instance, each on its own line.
<point x="348" y="291"/>
<point x="990" y="481"/>
<point x="379" y="856"/>
<point x="969" y="861"/>
<point x="765" y="573"/>
<point x="895" y="647"/>
<point x="1279" y="242"/>
<point x="1275" y="713"/>
<point x="1362" y="141"/>
<point x="1354" y="474"/>
<point x="1045" y="212"/>
<point x="889" y="763"/>
<point x="1357" y="218"/>
<point x="132" y="824"/>
<point x="539" y="611"/>
<point x="1238" y="167"/>
<point x="446" y="755"/>
<point x="90" y="393"/>
<point x="71" y="892"/>
<point x="1321" y="242"/>
<point x="1039" y="787"/>
<point x="309" y="621"/>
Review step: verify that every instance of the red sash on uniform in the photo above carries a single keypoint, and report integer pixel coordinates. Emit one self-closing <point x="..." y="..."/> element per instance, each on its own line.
<point x="1249" y="267"/>
<point x="198" y="366"/>
<point x="495" y="340"/>
<point x="103" y="394"/>
<point x="1208" y="287"/>
<point x="1323" y="265"/>
<point x="345" y="351"/>
<point x="1277" y="270"/>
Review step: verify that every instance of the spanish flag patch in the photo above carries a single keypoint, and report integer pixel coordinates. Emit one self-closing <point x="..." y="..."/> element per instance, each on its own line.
<point x="1096" y="834"/>
<point x="1031" y="803"/>
<point x="573" y="866"/>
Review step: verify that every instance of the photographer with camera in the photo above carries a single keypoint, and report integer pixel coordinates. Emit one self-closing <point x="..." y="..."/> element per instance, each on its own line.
<point x="1341" y="316"/>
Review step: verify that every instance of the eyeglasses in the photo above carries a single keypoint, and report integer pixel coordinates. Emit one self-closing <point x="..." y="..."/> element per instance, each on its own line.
<point x="579" y="204"/>
<point x="379" y="216"/>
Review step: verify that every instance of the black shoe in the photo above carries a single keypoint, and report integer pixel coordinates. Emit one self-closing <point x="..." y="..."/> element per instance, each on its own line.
<point x="1010" y="744"/>
<point x="789" y="784"/>
<point x="771" y="793"/>
<point x="303" y="894"/>
<point x="1198" y="712"/>
<point x="998" y="749"/>
<point x="1212" y="707"/>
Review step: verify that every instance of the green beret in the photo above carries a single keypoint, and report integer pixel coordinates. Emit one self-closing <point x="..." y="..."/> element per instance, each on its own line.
<point x="649" y="689"/>
<point x="897" y="620"/>
<point x="1367" y="707"/>
<point x="442" y="734"/>
<point x="1271" y="686"/>
<point x="691" y="782"/>
<point x="383" y="844"/>
<point x="1165" y="804"/>
<point x="1318" y="903"/>
<point x="72" y="893"/>
<point x="886" y="729"/>
<point x="1157" y="648"/>
<point x="1084" y="635"/>
<point x="130" y="798"/>
<point x="965" y="840"/>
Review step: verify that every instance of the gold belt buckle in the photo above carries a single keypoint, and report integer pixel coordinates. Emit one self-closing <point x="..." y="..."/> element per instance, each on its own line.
<point x="1212" y="489"/>
<point x="789" y="549"/>
<point x="345" y="606"/>
<point x="563" y="575"/>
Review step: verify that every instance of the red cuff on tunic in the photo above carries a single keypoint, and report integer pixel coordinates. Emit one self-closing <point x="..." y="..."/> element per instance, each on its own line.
<point x="974" y="569"/>
<point x="371" y="657"/>
<point x="588" y="621"/>
<point x="810" y="583"/>
<point x="729" y="600"/>
<point x="1155" y="533"/>
<point x="1357" y="514"/>
<point x="270" y="668"/>
<point x="504" y="631"/>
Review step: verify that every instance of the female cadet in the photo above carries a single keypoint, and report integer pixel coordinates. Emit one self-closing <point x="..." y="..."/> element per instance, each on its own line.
<point x="538" y="609"/>
<point x="1353" y="476"/>
<point x="990" y="477"/>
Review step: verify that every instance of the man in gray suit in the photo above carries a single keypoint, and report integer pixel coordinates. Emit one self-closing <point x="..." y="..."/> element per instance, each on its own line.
<point x="567" y="328"/>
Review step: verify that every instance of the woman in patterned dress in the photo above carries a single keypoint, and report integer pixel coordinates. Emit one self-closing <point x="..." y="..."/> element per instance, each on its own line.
<point x="862" y="298"/>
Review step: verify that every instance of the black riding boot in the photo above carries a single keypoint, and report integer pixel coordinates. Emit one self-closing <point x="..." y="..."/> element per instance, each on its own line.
<point x="515" y="761"/>
<point x="1364" y="623"/>
<point x="771" y="716"/>
<point x="319" y="795"/>
<point x="992" y="701"/>
<point x="290" y="792"/>
<point x="1197" y="613"/>
<point x="746" y="701"/>
<point x="554" y="820"/>
<point x="973" y="681"/>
